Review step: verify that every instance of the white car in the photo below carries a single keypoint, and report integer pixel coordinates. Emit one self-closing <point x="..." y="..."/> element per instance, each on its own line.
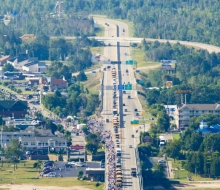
<point x="72" y="163"/>
<point x="51" y="174"/>
<point x="80" y="164"/>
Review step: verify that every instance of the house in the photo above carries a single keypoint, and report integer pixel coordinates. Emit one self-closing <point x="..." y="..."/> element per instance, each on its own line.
<point x="27" y="36"/>
<point x="52" y="84"/>
<point x="4" y="59"/>
<point x="205" y="129"/>
<point x="13" y="108"/>
<point x="21" y="124"/>
<point x="184" y="112"/>
<point x="5" y="137"/>
<point x="41" y="143"/>
<point x="34" y="67"/>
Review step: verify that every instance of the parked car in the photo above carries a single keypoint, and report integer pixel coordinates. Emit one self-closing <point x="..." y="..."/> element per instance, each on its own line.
<point x="68" y="166"/>
<point x="51" y="174"/>
<point x="72" y="163"/>
<point x="80" y="164"/>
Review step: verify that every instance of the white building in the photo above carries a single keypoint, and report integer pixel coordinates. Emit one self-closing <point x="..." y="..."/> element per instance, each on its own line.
<point x="34" y="67"/>
<point x="184" y="112"/>
<point x="40" y="143"/>
<point x="5" y="137"/>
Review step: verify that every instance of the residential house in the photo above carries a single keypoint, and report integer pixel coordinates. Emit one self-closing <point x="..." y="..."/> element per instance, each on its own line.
<point x="5" y="137"/>
<point x="184" y="112"/>
<point x="34" y="67"/>
<point x="52" y="84"/>
<point x="4" y="59"/>
<point x="41" y="143"/>
<point x="27" y="36"/>
<point x="13" y="108"/>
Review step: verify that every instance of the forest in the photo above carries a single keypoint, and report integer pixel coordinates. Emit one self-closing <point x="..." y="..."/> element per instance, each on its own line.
<point x="193" y="20"/>
<point x="196" y="70"/>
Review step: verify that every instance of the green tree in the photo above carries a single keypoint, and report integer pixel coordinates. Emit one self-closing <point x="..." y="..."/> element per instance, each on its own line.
<point x="92" y="148"/>
<point x="81" y="76"/>
<point x="8" y="67"/>
<point x="173" y="148"/>
<point x="80" y="174"/>
<point x="14" y="151"/>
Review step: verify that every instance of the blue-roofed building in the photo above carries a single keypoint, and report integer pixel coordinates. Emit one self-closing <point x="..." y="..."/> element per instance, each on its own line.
<point x="205" y="129"/>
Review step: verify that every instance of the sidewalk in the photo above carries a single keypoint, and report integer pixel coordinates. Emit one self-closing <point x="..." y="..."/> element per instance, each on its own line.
<point x="170" y="170"/>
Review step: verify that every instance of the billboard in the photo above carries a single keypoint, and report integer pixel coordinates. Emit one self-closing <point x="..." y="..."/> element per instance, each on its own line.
<point x="168" y="64"/>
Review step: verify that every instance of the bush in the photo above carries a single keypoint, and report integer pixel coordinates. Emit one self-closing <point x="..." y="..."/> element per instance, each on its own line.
<point x="97" y="184"/>
<point x="35" y="164"/>
<point x="5" y="83"/>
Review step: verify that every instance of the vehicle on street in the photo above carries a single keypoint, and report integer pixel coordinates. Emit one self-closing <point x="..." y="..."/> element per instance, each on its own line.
<point x="162" y="161"/>
<point x="130" y="146"/>
<point x="135" y="110"/>
<point x="137" y="114"/>
<point x="124" y="92"/>
<point x="51" y="174"/>
<point x="126" y="110"/>
<point x="150" y="118"/>
<point x="132" y="136"/>
<point x="123" y="30"/>
<point x="123" y="104"/>
<point x="108" y="67"/>
<point x="107" y="120"/>
<point x="72" y="163"/>
<point x="129" y="97"/>
<point x="133" y="172"/>
<point x="80" y="164"/>
<point x="68" y="165"/>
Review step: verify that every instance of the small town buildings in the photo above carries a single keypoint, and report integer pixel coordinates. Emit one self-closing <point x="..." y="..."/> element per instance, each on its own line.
<point x="184" y="112"/>
<point x="34" y="67"/>
<point x="41" y="143"/>
<point x="13" y="75"/>
<point x="5" y="137"/>
<point x="21" y="124"/>
<point x="13" y="108"/>
<point x="53" y="84"/>
<point x="19" y="61"/>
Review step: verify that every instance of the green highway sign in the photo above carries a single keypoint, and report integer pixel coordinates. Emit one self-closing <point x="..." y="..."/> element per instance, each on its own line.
<point x="128" y="86"/>
<point x="129" y="62"/>
<point x="135" y="122"/>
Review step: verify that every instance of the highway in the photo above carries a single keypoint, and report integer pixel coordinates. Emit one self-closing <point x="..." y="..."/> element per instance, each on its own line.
<point x="116" y="53"/>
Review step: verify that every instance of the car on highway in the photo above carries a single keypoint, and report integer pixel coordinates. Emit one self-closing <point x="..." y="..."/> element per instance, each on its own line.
<point x="118" y="160"/>
<point x="104" y="69"/>
<point x="132" y="136"/>
<point x="123" y="104"/>
<point x="124" y="92"/>
<point x="117" y="141"/>
<point x="123" y="30"/>
<point x="137" y="114"/>
<point x="130" y="146"/>
<point x="129" y="97"/>
<point x="107" y="120"/>
<point x="135" y="110"/>
<point x="108" y="67"/>
<point x="133" y="172"/>
<point x="68" y="165"/>
<point x="116" y="130"/>
<point x="126" y="110"/>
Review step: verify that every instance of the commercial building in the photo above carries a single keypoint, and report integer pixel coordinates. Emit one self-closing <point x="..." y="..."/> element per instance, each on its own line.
<point x="52" y="84"/>
<point x="41" y="143"/>
<point x="13" y="108"/>
<point x="34" y="67"/>
<point x="5" y="137"/>
<point x="184" y="112"/>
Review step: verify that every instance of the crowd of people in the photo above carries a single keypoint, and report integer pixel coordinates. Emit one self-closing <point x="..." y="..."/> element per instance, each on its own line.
<point x="94" y="125"/>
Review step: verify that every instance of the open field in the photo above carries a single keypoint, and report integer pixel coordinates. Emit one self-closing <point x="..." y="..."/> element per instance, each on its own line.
<point x="99" y="32"/>
<point x="92" y="82"/>
<point x="26" y="174"/>
<point x="138" y="55"/>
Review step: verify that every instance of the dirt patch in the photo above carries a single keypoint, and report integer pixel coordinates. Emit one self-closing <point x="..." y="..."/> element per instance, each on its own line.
<point x="31" y="187"/>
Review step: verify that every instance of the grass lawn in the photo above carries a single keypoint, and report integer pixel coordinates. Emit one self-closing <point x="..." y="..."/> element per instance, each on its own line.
<point x="92" y="82"/>
<point x="176" y="136"/>
<point x="99" y="49"/>
<point x="182" y="174"/>
<point x="28" y="175"/>
<point x="100" y="32"/>
<point x="138" y="55"/>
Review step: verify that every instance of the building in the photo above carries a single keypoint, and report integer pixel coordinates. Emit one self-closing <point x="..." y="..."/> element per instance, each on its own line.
<point x="27" y="36"/>
<point x="5" y="137"/>
<point x="184" y="112"/>
<point x="4" y="59"/>
<point x="52" y="84"/>
<point x="13" y="108"/>
<point x="13" y="75"/>
<point x="205" y="129"/>
<point x="44" y="143"/>
<point x="21" y="124"/>
<point x="34" y="67"/>
<point x="96" y="174"/>
<point x="19" y="61"/>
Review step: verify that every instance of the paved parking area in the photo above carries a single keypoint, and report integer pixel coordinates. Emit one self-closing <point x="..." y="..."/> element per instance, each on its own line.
<point x="73" y="172"/>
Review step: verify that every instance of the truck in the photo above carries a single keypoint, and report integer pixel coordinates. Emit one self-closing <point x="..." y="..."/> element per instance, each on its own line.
<point x="115" y="111"/>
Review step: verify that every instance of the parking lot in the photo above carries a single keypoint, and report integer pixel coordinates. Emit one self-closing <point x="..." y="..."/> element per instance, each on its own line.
<point x="73" y="172"/>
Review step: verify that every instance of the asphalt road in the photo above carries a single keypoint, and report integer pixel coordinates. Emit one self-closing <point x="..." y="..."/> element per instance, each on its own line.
<point x="128" y="154"/>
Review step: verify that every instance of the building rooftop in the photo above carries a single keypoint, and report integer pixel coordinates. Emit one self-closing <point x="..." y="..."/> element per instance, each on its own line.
<point x="4" y="57"/>
<point x="200" y="106"/>
<point x="42" y="139"/>
<point x="7" y="104"/>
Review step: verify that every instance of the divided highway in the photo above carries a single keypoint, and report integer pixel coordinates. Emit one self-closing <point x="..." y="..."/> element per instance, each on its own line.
<point x="126" y="105"/>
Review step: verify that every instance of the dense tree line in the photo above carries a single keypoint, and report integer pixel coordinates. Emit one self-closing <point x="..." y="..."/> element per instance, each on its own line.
<point x="184" y="20"/>
<point x="79" y="102"/>
<point x="196" y="70"/>
<point x="200" y="154"/>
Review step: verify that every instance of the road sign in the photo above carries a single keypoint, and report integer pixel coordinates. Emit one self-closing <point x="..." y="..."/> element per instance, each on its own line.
<point x="121" y="87"/>
<point x="128" y="87"/>
<point x="129" y="62"/>
<point x="115" y="62"/>
<point x="106" y="62"/>
<point x="76" y="147"/>
<point x="135" y="122"/>
<point x="137" y="71"/>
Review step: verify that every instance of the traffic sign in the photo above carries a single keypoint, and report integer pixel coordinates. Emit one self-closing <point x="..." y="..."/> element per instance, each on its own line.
<point x="115" y="62"/>
<point x="135" y="122"/>
<point x="137" y="71"/>
<point x="129" y="62"/>
<point x="128" y="87"/>
<point x="106" y="62"/>
<point x="121" y="87"/>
